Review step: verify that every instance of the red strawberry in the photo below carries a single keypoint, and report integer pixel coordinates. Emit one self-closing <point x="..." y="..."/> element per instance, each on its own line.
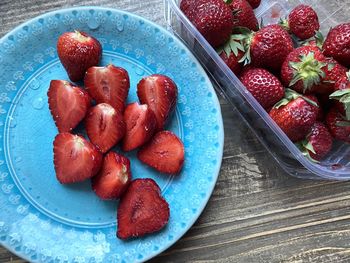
<point x="159" y="92"/>
<point x="264" y="86"/>
<point x="304" y="69"/>
<point x="113" y="178"/>
<point x="108" y="84"/>
<point x="232" y="53"/>
<point x="337" y="44"/>
<point x="68" y="104"/>
<point x="243" y="15"/>
<point x="342" y="95"/>
<point x="254" y="3"/>
<point x="232" y="61"/>
<point x="295" y="114"/>
<point x="267" y="48"/>
<point x="75" y="158"/>
<point x="316" y="41"/>
<point x="213" y="19"/>
<point x="317" y="143"/>
<point x="140" y="125"/>
<point x="105" y="126"/>
<point x="78" y="51"/>
<point x="142" y="210"/>
<point x="338" y="125"/>
<point x="165" y="153"/>
<point x="187" y="6"/>
<point x="303" y="22"/>
<point x="333" y="72"/>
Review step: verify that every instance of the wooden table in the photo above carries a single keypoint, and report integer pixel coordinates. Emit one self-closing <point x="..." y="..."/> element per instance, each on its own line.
<point x="257" y="213"/>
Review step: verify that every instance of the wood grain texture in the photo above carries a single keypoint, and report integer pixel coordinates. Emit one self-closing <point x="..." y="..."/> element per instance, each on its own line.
<point x="257" y="213"/>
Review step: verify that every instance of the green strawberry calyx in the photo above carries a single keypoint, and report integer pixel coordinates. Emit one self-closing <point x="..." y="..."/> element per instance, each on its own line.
<point x="228" y="1"/>
<point x="343" y="96"/>
<point x="318" y="38"/>
<point x="284" y="23"/>
<point x="348" y="75"/>
<point x="343" y="123"/>
<point x="233" y="45"/>
<point x="309" y="70"/>
<point x="291" y="95"/>
<point x="245" y="37"/>
<point x="305" y="146"/>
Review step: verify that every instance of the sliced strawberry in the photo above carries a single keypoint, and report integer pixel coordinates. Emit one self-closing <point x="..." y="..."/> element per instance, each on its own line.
<point x="159" y="92"/>
<point x="108" y="84"/>
<point x="142" y="210"/>
<point x="140" y="125"/>
<point x="113" y="178"/>
<point x="68" y="104"/>
<point x="165" y="153"/>
<point x="105" y="126"/>
<point x="75" y="158"/>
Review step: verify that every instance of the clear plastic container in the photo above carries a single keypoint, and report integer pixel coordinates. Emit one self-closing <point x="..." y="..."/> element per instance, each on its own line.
<point x="337" y="164"/>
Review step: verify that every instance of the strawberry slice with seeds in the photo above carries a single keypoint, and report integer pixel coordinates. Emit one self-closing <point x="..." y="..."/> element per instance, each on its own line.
<point x="105" y="126"/>
<point x="75" y="158"/>
<point x="68" y="104"/>
<point x="140" y="126"/>
<point x="165" y="153"/>
<point x="142" y="210"/>
<point x="108" y="84"/>
<point x="159" y="92"/>
<point x="114" y="177"/>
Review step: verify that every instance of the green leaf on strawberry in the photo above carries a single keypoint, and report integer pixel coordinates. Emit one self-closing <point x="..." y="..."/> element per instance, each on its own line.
<point x="309" y="70"/>
<point x="343" y="96"/>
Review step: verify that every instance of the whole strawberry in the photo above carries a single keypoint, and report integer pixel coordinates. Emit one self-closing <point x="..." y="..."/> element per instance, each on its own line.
<point x="267" y="48"/>
<point x="214" y="20"/>
<point x="187" y="6"/>
<point x="337" y="44"/>
<point x="333" y="72"/>
<point x="232" y="61"/>
<point x="295" y="114"/>
<point x="264" y="86"/>
<point x="303" y="22"/>
<point x="77" y="52"/>
<point x="243" y="15"/>
<point x="317" y="143"/>
<point x="317" y="40"/>
<point x="254" y="3"/>
<point x="338" y="125"/>
<point x="303" y="69"/>
<point x="342" y="95"/>
<point x="232" y="53"/>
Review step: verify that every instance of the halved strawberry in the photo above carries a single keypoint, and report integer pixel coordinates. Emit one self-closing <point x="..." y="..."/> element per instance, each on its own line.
<point x="140" y="125"/>
<point x="68" y="104"/>
<point x="165" y="153"/>
<point x="159" y="92"/>
<point x="105" y="126"/>
<point x="113" y="178"/>
<point x="142" y="210"/>
<point x="108" y="84"/>
<point x="75" y="158"/>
